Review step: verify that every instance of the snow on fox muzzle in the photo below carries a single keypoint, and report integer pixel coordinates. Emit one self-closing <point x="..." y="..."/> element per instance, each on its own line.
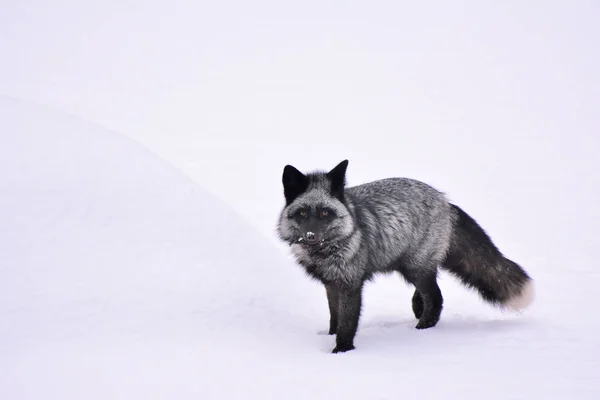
<point x="310" y="238"/>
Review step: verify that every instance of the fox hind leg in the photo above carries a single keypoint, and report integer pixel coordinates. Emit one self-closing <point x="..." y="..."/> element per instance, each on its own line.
<point x="427" y="300"/>
<point x="431" y="296"/>
<point x="417" y="304"/>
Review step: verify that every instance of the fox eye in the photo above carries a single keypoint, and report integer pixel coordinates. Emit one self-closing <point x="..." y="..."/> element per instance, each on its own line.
<point x="324" y="213"/>
<point x="303" y="213"/>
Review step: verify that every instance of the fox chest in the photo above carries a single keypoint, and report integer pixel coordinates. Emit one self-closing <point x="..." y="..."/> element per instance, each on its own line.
<point x="332" y="267"/>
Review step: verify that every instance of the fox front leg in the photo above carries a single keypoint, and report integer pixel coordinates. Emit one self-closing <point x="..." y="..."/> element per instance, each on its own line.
<point x="333" y="300"/>
<point x="349" y="306"/>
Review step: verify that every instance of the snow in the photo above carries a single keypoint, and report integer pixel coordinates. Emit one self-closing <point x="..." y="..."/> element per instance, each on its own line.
<point x="109" y="253"/>
<point x="122" y="278"/>
<point x="141" y="152"/>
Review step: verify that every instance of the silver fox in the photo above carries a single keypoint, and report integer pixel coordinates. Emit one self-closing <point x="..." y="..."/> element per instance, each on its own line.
<point x="344" y="236"/>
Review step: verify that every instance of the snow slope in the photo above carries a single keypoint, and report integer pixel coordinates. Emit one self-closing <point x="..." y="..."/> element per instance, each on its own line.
<point x="120" y="278"/>
<point x="106" y="251"/>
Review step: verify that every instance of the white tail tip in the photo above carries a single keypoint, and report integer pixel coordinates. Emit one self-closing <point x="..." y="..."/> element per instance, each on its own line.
<point x="523" y="299"/>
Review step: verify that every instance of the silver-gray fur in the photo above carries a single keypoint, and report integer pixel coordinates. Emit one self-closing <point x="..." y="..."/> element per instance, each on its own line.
<point x="343" y="236"/>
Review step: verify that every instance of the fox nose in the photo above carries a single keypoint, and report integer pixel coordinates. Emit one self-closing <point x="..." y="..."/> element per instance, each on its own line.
<point x="311" y="238"/>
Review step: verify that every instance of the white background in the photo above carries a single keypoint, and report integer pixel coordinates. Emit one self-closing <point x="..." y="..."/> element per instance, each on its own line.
<point x="489" y="101"/>
<point x="121" y="278"/>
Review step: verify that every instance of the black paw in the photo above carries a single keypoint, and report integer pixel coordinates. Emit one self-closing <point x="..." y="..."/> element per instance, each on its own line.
<point x="332" y="332"/>
<point x="343" y="348"/>
<point x="425" y="323"/>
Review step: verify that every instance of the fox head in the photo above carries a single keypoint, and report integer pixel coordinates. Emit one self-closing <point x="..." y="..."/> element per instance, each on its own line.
<point x="315" y="212"/>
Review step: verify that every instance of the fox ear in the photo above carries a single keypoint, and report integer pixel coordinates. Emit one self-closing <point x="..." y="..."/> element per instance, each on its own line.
<point x="294" y="183"/>
<point x="338" y="179"/>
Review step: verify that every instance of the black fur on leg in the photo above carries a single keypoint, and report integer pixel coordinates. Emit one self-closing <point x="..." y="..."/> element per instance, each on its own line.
<point x="417" y="304"/>
<point x="333" y="300"/>
<point x="427" y="300"/>
<point x="432" y="301"/>
<point x="350" y="302"/>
